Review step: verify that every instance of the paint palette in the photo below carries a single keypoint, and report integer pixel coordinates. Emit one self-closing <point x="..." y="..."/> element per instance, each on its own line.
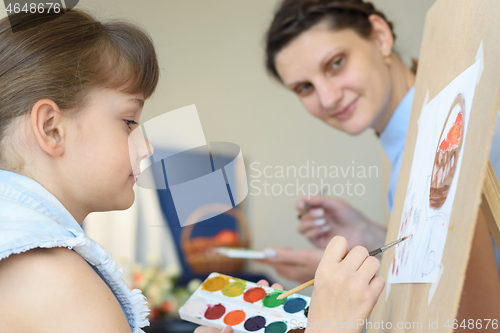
<point x="241" y="253"/>
<point x="224" y="300"/>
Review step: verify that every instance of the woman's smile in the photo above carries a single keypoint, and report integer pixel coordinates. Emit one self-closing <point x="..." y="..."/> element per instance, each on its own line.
<point x="346" y="112"/>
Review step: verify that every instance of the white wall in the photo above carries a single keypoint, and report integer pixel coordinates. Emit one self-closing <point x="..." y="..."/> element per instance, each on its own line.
<point x="211" y="54"/>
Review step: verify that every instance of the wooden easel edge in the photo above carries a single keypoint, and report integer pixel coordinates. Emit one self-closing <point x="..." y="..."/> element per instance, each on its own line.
<point x="490" y="203"/>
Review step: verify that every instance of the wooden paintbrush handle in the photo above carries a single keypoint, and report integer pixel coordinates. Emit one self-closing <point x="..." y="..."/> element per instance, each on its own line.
<point x="296" y="289"/>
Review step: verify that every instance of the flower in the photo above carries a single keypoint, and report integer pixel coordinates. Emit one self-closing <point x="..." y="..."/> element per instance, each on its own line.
<point x="193" y="285"/>
<point x="159" y="285"/>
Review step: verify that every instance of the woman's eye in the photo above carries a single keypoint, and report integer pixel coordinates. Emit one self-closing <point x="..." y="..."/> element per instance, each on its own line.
<point x="337" y="63"/>
<point x="128" y="122"/>
<point x="304" y="88"/>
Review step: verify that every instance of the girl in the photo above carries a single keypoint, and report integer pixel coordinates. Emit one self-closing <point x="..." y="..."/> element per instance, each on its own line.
<point x="72" y="91"/>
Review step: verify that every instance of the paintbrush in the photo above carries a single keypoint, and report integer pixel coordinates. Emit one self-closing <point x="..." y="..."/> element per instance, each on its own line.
<point x="304" y="210"/>
<point x="308" y="206"/>
<point x="311" y="282"/>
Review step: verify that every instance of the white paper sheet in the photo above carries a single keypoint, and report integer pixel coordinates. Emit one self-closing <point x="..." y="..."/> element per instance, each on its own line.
<point x="417" y="259"/>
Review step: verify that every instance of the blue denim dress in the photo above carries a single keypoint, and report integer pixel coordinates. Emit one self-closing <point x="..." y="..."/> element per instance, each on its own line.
<point x="31" y="217"/>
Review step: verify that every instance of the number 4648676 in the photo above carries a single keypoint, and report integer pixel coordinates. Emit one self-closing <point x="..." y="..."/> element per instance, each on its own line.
<point x="33" y="8"/>
<point x="472" y="324"/>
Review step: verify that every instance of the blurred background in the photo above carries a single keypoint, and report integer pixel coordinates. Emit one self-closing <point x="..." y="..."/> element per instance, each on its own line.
<point x="211" y="54"/>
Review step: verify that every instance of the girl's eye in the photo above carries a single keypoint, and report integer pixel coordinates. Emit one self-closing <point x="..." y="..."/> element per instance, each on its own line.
<point x="128" y="122"/>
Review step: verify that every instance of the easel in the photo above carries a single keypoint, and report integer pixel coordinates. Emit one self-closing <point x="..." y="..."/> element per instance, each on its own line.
<point x="457" y="34"/>
<point x="479" y="298"/>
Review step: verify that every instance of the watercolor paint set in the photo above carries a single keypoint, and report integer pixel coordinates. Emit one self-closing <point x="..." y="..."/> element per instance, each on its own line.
<point x="223" y="300"/>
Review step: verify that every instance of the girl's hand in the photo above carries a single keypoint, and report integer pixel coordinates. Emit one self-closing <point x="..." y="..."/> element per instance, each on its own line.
<point x="296" y="265"/>
<point x="229" y="329"/>
<point x="330" y="217"/>
<point x="346" y="287"/>
<point x="204" y="329"/>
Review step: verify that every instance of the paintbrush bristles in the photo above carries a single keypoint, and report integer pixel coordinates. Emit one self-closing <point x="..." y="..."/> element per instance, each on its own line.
<point x="296" y="289"/>
<point x="385" y="247"/>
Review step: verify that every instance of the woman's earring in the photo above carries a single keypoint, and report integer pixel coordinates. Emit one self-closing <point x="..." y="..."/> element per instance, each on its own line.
<point x="388" y="60"/>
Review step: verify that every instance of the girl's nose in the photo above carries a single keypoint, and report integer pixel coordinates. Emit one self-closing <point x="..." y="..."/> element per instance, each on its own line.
<point x="139" y="147"/>
<point x="150" y="149"/>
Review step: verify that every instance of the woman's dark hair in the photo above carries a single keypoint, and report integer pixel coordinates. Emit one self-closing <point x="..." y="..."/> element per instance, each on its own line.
<point x="294" y="17"/>
<point x="64" y="57"/>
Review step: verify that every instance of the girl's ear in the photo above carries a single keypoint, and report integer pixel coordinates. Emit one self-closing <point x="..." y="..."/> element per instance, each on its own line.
<point x="381" y="34"/>
<point x="47" y="124"/>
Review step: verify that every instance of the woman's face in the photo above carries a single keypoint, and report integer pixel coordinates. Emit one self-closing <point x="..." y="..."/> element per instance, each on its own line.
<point x="340" y="77"/>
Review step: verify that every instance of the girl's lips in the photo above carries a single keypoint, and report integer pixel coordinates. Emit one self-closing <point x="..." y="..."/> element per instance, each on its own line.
<point x="134" y="177"/>
<point x="347" y="111"/>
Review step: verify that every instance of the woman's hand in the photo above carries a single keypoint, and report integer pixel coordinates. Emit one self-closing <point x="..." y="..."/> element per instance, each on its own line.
<point x="264" y="283"/>
<point x="229" y="329"/>
<point x="296" y="265"/>
<point x="346" y="287"/>
<point x="330" y="217"/>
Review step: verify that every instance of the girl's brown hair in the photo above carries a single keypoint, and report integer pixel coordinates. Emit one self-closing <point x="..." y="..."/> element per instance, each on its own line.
<point x="294" y="17"/>
<point x="63" y="59"/>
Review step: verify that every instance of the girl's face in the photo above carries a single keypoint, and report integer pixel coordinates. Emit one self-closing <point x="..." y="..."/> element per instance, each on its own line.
<point x="102" y="156"/>
<point x="340" y="77"/>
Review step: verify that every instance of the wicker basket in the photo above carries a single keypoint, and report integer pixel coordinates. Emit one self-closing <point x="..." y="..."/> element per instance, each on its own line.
<point x="445" y="160"/>
<point x="199" y="253"/>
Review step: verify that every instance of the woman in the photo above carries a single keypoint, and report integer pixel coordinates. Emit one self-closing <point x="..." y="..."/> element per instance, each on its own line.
<point x="337" y="57"/>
